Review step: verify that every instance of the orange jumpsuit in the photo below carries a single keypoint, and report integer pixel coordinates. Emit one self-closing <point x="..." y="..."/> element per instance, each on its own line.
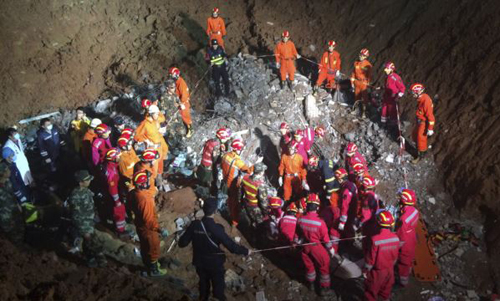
<point x="425" y="121"/>
<point x="330" y="63"/>
<point x="285" y="54"/>
<point x="292" y="167"/>
<point x="362" y="76"/>
<point x="182" y="91"/>
<point x="149" y="167"/>
<point x="216" y="29"/>
<point x="128" y="159"/>
<point x="146" y="222"/>
<point x="232" y="166"/>
<point x="88" y="138"/>
<point x="149" y="130"/>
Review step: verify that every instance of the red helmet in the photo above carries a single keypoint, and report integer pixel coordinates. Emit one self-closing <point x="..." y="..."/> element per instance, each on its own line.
<point x="408" y="197"/>
<point x="150" y="155"/>
<point x="285" y="34"/>
<point x="299" y="133"/>
<point x="331" y="43"/>
<point x="146" y="103"/>
<point x="364" y="52"/>
<point x="101" y="129"/>
<point x="123" y="140"/>
<point x="320" y="131"/>
<point x="223" y="134"/>
<point x="284" y="126"/>
<point x="313" y="198"/>
<point x="173" y="71"/>
<point x="292" y="207"/>
<point x="340" y="173"/>
<point x="359" y="168"/>
<point x="127" y="131"/>
<point x="141" y="177"/>
<point x="369" y="182"/>
<point x="385" y="219"/>
<point x="417" y="88"/>
<point x="215" y="10"/>
<point x="275" y="202"/>
<point x="237" y="144"/>
<point x="351" y="149"/>
<point x="112" y="154"/>
<point x="390" y="66"/>
<point x="313" y="161"/>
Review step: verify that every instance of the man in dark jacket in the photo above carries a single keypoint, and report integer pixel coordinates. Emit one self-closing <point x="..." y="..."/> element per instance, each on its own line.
<point x="49" y="143"/>
<point x="208" y="258"/>
<point x="218" y="62"/>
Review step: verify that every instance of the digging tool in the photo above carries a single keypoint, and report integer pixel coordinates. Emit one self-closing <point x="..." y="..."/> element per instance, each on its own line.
<point x="199" y="81"/>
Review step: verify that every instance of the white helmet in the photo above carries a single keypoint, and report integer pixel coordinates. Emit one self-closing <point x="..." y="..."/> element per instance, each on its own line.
<point x="95" y="122"/>
<point x="153" y="109"/>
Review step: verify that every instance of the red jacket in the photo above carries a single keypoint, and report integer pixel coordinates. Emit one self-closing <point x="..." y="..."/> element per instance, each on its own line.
<point x="287" y="225"/>
<point x="112" y="177"/>
<point x="313" y="229"/>
<point x="349" y="196"/>
<point x="383" y="251"/>
<point x="100" y="147"/>
<point x="207" y="156"/>
<point x="407" y="223"/>
<point x="393" y="86"/>
<point x="369" y="206"/>
<point x="331" y="216"/>
<point x="356" y="158"/>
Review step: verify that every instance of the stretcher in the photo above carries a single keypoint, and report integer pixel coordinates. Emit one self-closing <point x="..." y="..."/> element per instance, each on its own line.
<point x="425" y="266"/>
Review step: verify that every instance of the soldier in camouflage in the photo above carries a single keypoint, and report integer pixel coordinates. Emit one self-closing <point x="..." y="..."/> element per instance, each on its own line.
<point x="11" y="215"/>
<point x="169" y="106"/>
<point x="255" y="189"/>
<point x="81" y="204"/>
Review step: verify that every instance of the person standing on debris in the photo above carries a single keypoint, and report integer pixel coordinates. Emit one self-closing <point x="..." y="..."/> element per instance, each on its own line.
<point x="348" y="204"/>
<point x="82" y="210"/>
<point x="286" y="137"/>
<point x="216" y="28"/>
<point x="208" y="258"/>
<point x="425" y="120"/>
<point x="147" y="162"/>
<point x="146" y="223"/>
<point x="112" y="179"/>
<point x="233" y="168"/>
<point x="255" y="189"/>
<point x="182" y="91"/>
<point x="100" y="146"/>
<point x="353" y="156"/>
<point x="16" y="145"/>
<point x="148" y="133"/>
<point x="312" y="229"/>
<point x="128" y="159"/>
<point x="381" y="255"/>
<point x="314" y="176"/>
<point x="11" y="215"/>
<point x="394" y="90"/>
<point x="21" y="191"/>
<point x="169" y="105"/>
<point x="116" y="130"/>
<point x="49" y="143"/>
<point x="218" y="63"/>
<point x="292" y="173"/>
<point x="212" y="149"/>
<point x="88" y="139"/>
<point x="332" y="186"/>
<point x="78" y="127"/>
<point x="286" y="54"/>
<point x="275" y="214"/>
<point x="330" y="213"/>
<point x="329" y="67"/>
<point x="288" y="224"/>
<point x="405" y="229"/>
<point x="369" y="206"/>
<point x="361" y="78"/>
<point x="301" y="145"/>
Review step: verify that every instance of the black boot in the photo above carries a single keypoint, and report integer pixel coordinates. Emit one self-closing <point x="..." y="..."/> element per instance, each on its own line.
<point x="289" y="82"/>
<point x="325" y="292"/>
<point x="282" y="84"/>
<point x="419" y="157"/>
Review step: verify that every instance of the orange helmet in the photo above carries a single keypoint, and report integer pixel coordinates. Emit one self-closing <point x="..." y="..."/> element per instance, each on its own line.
<point x="146" y="103"/>
<point x="150" y="155"/>
<point x="340" y="173"/>
<point x="112" y="154"/>
<point x="351" y="149"/>
<point x="292" y="207"/>
<point x="127" y="131"/>
<point x="237" y="144"/>
<point x="141" y="178"/>
<point x="320" y="131"/>
<point x="313" y="161"/>
<point x="285" y="34"/>
<point x="101" y="129"/>
<point x="369" y="182"/>
<point x="174" y="72"/>
<point x="390" y="66"/>
<point x="123" y="140"/>
<point x="223" y="134"/>
<point x="359" y="168"/>
<point x="408" y="197"/>
<point x="417" y="88"/>
<point x="284" y="126"/>
<point x="364" y="52"/>
<point x="275" y="202"/>
<point x="385" y="219"/>
<point x="313" y="198"/>
<point x="331" y="43"/>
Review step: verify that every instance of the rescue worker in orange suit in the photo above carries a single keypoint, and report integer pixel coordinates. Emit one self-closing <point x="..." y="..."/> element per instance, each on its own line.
<point x="312" y="229"/>
<point x="210" y="158"/>
<point x="361" y="78"/>
<point x="150" y="133"/>
<point x="112" y="179"/>
<point x="286" y="54"/>
<point x="128" y="159"/>
<point x="425" y="120"/>
<point x="394" y="89"/>
<point x="288" y="225"/>
<point x="286" y="137"/>
<point x="146" y="222"/>
<point x="88" y="139"/>
<point x="380" y="257"/>
<point x="182" y="91"/>
<point x="232" y="168"/>
<point x="329" y="67"/>
<point x="147" y="161"/>
<point x="292" y="173"/>
<point x="216" y="28"/>
<point x="348" y="203"/>
<point x="405" y="229"/>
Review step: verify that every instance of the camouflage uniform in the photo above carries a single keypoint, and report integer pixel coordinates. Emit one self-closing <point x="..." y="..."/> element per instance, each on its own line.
<point x="11" y="215"/>
<point x="257" y="213"/>
<point x="167" y="105"/>
<point x="81" y="204"/>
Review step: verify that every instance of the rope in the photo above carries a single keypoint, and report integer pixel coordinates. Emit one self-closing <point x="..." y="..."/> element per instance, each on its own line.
<point x="199" y="81"/>
<point x="401" y="147"/>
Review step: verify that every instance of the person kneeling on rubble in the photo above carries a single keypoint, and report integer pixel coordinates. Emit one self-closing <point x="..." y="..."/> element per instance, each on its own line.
<point x="208" y="258"/>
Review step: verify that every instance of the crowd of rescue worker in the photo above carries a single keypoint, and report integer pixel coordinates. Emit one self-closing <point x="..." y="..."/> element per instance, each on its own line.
<point x="318" y="200"/>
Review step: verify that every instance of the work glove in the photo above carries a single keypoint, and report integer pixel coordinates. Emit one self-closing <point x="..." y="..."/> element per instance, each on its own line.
<point x="332" y="252"/>
<point x="30" y="212"/>
<point x="259" y="159"/>
<point x="48" y="161"/>
<point x="63" y="143"/>
<point x="249" y="252"/>
<point x="337" y="73"/>
<point x="163" y="232"/>
<point x="278" y="65"/>
<point x="305" y="186"/>
<point x="280" y="181"/>
<point x="183" y="107"/>
<point x="430" y="133"/>
<point x="341" y="226"/>
<point x="400" y="94"/>
<point x="298" y="56"/>
<point x="218" y="32"/>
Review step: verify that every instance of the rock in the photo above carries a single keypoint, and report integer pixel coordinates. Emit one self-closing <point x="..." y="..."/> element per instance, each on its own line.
<point x="390" y="158"/>
<point x="350" y="136"/>
<point x="432" y="201"/>
<point x="472" y="294"/>
<point x="234" y="281"/>
<point x="459" y="252"/>
<point x="260" y="296"/>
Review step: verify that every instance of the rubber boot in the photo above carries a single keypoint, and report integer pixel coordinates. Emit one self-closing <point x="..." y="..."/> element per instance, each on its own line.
<point x="289" y="83"/>
<point x="155" y="270"/>
<point x="282" y="84"/>
<point x="419" y="157"/>
<point x="190" y="131"/>
<point x="325" y="292"/>
<point x="315" y="90"/>
<point x="363" y="111"/>
<point x="310" y="286"/>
